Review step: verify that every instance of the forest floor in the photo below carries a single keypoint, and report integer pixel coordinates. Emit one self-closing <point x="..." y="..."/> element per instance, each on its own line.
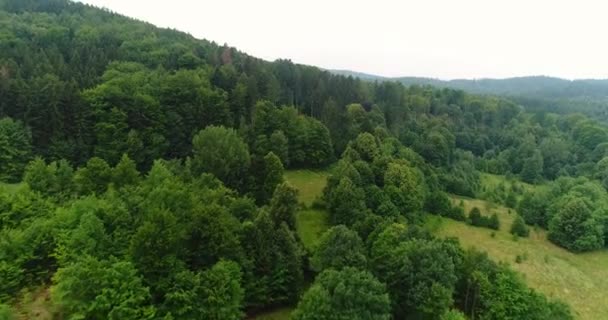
<point x="581" y="280"/>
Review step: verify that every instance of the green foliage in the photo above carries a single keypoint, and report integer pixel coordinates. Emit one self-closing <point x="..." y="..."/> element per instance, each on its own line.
<point x="275" y="258"/>
<point x="95" y="289"/>
<point x="15" y="149"/>
<point x="6" y="312"/>
<point x="349" y="294"/>
<point x="420" y="273"/>
<point x="339" y="247"/>
<point x="346" y="203"/>
<point x="519" y="227"/>
<point x="575" y="228"/>
<point x="215" y="293"/>
<point x="284" y="204"/>
<point x="94" y="178"/>
<point x="269" y="177"/>
<point x="125" y="172"/>
<point x="223" y="153"/>
<point x="478" y="220"/>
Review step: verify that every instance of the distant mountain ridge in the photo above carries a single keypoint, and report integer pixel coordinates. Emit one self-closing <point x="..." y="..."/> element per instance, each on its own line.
<point x="531" y="86"/>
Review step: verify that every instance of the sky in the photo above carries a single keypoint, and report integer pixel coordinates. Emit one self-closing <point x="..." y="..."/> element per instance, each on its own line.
<point x="445" y="39"/>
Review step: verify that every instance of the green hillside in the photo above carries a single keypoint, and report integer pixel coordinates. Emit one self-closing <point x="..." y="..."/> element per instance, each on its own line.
<point x="580" y="279"/>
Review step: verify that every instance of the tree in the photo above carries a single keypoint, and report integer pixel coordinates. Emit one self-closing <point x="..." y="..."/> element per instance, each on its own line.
<point x="345" y="294"/>
<point x="269" y="177"/>
<point x="101" y="289"/>
<point x="453" y="315"/>
<point x="420" y="273"/>
<point x="533" y="168"/>
<point x="346" y="203"/>
<point x="284" y="204"/>
<point x="94" y="178"/>
<point x="575" y="228"/>
<point x="494" y="222"/>
<point x="408" y="187"/>
<point x="125" y="172"/>
<point x="338" y="248"/>
<point x="15" y="149"/>
<point x="223" y="153"/>
<point x="533" y="209"/>
<point x="475" y="217"/>
<point x="40" y="177"/>
<point x="279" y="145"/>
<point x="519" y="227"/>
<point x="215" y="293"/>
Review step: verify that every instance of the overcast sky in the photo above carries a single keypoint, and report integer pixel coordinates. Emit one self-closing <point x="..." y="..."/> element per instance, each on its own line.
<point x="444" y="39"/>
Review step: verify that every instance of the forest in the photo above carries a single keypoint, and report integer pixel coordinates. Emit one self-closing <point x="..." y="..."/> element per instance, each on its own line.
<point x="143" y="174"/>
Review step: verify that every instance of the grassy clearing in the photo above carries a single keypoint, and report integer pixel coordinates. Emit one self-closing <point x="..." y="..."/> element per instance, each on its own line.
<point x="309" y="183"/>
<point x="279" y="314"/>
<point x="310" y="225"/>
<point x="580" y="280"/>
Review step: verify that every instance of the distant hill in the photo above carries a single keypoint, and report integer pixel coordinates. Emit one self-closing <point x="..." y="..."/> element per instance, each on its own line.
<point x="360" y="75"/>
<point x="536" y="93"/>
<point x="533" y="86"/>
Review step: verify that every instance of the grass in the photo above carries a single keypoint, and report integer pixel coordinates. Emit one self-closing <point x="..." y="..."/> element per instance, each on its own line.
<point x="581" y="280"/>
<point x="309" y="183"/>
<point x="278" y="314"/>
<point x="310" y="225"/>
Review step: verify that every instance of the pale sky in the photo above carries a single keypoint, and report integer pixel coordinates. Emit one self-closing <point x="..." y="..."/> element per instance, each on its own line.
<point x="444" y="39"/>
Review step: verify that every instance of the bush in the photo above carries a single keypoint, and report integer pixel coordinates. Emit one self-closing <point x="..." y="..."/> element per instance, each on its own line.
<point x="519" y="227"/>
<point x="493" y="222"/>
<point x="476" y="219"/>
<point x="457" y="213"/>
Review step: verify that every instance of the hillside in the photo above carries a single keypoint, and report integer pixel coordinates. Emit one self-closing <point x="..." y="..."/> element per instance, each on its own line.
<point x="147" y="174"/>
<point x="580" y="279"/>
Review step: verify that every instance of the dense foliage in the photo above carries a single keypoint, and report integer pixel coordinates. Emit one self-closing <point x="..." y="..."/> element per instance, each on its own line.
<point x="152" y="180"/>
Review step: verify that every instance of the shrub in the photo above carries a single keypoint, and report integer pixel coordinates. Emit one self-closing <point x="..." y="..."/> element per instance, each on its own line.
<point x="519" y="227"/>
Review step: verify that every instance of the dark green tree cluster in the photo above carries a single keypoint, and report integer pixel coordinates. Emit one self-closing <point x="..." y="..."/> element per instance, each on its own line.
<point x="573" y="210"/>
<point x="479" y="220"/>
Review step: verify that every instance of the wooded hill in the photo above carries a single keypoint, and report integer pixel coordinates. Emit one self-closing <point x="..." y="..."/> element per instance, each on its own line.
<point x="151" y="169"/>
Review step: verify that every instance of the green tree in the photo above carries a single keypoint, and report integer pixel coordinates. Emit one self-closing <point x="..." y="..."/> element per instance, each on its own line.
<point x="494" y="222"/>
<point x="94" y="177"/>
<point x="408" y="187"/>
<point x="519" y="227"/>
<point x="40" y="177"/>
<point x="284" y="204"/>
<point x="345" y="294"/>
<point x="279" y="145"/>
<point x="575" y="228"/>
<point x="125" y="172"/>
<point x="215" y="293"/>
<point x="533" y="168"/>
<point x="339" y="247"/>
<point x="223" y="153"/>
<point x="346" y="203"/>
<point x="420" y="273"/>
<point x="95" y="289"/>
<point x="268" y="177"/>
<point x="15" y="149"/>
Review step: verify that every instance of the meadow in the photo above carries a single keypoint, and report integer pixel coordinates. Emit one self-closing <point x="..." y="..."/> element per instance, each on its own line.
<point x="579" y="279"/>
